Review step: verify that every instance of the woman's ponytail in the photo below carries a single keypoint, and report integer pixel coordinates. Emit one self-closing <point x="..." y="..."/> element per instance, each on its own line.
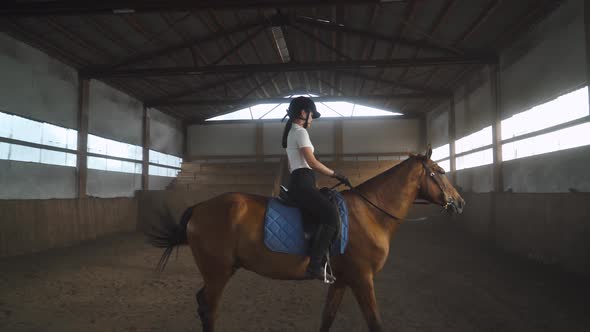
<point x="288" y="126"/>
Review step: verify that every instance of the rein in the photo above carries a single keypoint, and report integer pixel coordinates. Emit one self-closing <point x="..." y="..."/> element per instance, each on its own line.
<point x="356" y="191"/>
<point x="427" y="169"/>
<point x="378" y="208"/>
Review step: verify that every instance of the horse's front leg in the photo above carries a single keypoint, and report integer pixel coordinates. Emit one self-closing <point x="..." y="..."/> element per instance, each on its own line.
<point x="333" y="300"/>
<point x="364" y="293"/>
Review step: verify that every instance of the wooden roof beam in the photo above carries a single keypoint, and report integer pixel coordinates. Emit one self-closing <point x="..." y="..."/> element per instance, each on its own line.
<point x="76" y="7"/>
<point x="293" y="67"/>
<point x="254" y="101"/>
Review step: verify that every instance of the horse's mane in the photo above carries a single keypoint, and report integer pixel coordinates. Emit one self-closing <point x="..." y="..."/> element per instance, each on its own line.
<point x="394" y="169"/>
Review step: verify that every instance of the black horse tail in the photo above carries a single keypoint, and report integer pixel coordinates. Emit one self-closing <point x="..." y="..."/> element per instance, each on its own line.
<point x="168" y="234"/>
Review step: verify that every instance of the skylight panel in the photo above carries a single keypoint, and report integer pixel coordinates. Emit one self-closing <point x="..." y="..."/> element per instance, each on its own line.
<point x="342" y="107"/>
<point x="260" y="110"/>
<point x="277" y="113"/>
<point x="361" y="110"/>
<point x="336" y="109"/>
<point x="327" y="112"/>
<point x="243" y="114"/>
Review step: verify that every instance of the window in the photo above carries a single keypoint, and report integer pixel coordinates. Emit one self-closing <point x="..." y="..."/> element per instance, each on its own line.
<point x="58" y="158"/>
<point x="114" y="149"/>
<point x="445" y="164"/>
<point x="26" y="130"/>
<point x="568" y="107"/>
<point x="441" y="156"/>
<point x="23" y="153"/>
<point x="59" y="137"/>
<point x="108" y="147"/>
<point x="558" y="140"/>
<point x="440" y="153"/>
<point x="4" y="151"/>
<point x="473" y="141"/>
<point x="327" y="109"/>
<point x="5" y="125"/>
<point x="168" y="165"/>
<point x="475" y="159"/>
<point x="570" y="110"/>
<point x="113" y="165"/>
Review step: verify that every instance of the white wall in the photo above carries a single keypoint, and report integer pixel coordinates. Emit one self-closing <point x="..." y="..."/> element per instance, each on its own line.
<point x="21" y="180"/>
<point x="222" y="139"/>
<point x="166" y="134"/>
<point x="477" y="179"/>
<point x="36" y="86"/>
<point x="359" y="136"/>
<point x="554" y="172"/>
<point x="113" y="114"/>
<point x="272" y="136"/>
<point x="112" y="184"/>
<point x="322" y="135"/>
<point x="374" y="136"/>
<point x="437" y="125"/>
<point x="473" y="109"/>
<point x="158" y="182"/>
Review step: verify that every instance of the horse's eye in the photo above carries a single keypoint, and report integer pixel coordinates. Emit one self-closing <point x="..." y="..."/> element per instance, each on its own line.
<point x="431" y="173"/>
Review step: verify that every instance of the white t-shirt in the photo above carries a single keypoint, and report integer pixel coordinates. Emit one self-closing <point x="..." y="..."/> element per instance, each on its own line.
<point x="298" y="138"/>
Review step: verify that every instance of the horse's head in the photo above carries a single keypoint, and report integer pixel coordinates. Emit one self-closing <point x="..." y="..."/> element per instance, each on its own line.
<point x="436" y="188"/>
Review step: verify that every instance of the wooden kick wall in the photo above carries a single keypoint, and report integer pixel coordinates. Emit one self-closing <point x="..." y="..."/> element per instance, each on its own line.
<point x="28" y="226"/>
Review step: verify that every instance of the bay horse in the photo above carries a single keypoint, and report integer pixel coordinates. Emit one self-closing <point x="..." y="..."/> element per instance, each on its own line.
<point x="226" y="233"/>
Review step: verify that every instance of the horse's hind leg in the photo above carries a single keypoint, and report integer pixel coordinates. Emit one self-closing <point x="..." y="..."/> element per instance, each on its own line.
<point x="202" y="309"/>
<point x="333" y="300"/>
<point x="208" y="297"/>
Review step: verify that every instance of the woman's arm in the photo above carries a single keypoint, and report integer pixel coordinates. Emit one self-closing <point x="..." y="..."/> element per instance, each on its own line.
<point x="314" y="163"/>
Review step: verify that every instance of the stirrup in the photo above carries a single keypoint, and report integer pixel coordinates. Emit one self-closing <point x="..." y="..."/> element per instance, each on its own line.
<point x="328" y="276"/>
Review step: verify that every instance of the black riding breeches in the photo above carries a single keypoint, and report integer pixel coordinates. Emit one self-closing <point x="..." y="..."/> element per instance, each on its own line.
<point x="313" y="203"/>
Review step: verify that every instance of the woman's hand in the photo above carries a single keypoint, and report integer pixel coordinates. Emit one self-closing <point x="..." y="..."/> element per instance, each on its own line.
<point x="342" y="178"/>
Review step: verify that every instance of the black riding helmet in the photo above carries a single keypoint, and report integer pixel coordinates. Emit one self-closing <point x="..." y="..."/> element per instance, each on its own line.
<point x="302" y="103"/>
<point x="296" y="105"/>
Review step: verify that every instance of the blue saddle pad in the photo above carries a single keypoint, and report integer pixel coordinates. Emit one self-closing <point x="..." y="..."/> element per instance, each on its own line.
<point x="283" y="228"/>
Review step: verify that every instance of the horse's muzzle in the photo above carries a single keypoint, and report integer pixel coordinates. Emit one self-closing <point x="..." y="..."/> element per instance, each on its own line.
<point x="453" y="206"/>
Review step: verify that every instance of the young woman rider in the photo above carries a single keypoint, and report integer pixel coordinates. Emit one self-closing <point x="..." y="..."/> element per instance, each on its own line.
<point x="302" y="187"/>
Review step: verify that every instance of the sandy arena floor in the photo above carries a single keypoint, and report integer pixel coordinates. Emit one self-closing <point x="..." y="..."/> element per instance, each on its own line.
<point x="437" y="279"/>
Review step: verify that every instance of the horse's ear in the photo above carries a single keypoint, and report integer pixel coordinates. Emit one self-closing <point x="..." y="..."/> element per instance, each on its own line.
<point x="429" y="152"/>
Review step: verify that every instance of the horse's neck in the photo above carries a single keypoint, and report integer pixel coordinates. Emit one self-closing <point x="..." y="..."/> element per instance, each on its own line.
<point x="394" y="190"/>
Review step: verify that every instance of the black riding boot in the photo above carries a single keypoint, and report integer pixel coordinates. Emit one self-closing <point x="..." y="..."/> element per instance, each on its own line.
<point x="319" y="248"/>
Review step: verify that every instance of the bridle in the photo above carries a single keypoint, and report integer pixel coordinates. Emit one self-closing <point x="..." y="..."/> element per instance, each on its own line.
<point x="449" y="201"/>
<point x="429" y="172"/>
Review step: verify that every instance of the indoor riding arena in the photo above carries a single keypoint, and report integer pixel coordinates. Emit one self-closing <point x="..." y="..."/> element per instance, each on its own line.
<point x="140" y="152"/>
